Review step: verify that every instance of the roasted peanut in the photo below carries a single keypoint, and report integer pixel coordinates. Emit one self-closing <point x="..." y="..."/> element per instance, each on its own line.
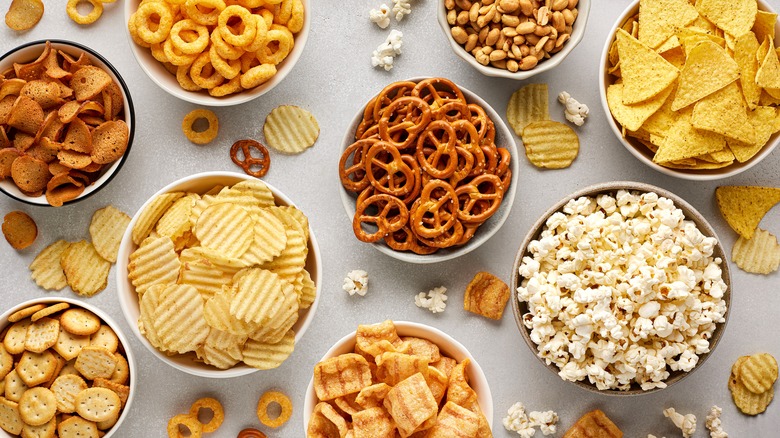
<point x="526" y="28"/>
<point x="498" y="64"/>
<point x="528" y="63"/>
<point x="568" y="16"/>
<point x="463" y="18"/>
<point x="459" y="35"/>
<point x="509" y="6"/>
<point x="474" y="12"/>
<point x="573" y="4"/>
<point x="526" y="7"/>
<point x="472" y="42"/>
<point x="492" y="37"/>
<point x="559" y="5"/>
<point x="449" y="4"/>
<point x="541" y="31"/>
<point x="497" y="55"/>
<point x="510" y="20"/>
<point x="452" y="18"/>
<point x="463" y="4"/>
<point x="512" y="65"/>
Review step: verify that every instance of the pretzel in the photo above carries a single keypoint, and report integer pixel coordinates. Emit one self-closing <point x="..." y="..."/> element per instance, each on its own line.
<point x="260" y="164"/>
<point x="439" y="159"/>
<point x="480" y="198"/>
<point x="400" y="117"/>
<point x="392" y="165"/>
<point x="354" y="177"/>
<point x="438" y="91"/>
<point x="385" y="222"/>
<point x="464" y="167"/>
<point x="431" y="218"/>
<point x="387" y="96"/>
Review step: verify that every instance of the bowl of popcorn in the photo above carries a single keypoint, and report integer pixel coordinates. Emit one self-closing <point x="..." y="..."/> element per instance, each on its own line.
<point x="218" y="275"/>
<point x="513" y="39"/>
<point x="213" y="54"/>
<point x="68" y="370"/>
<point x="433" y="185"/>
<point x="692" y="90"/>
<point x="424" y="382"/>
<point x="66" y="122"/>
<point x="622" y="288"/>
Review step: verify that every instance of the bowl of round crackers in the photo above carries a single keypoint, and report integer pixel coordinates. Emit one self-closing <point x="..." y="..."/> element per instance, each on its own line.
<point x="66" y="122"/>
<point x="475" y="162"/>
<point x="219" y="275"/>
<point x="621" y="288"/>
<point x="424" y="380"/>
<point x="67" y="367"/>
<point x="217" y="56"/>
<point x="692" y="90"/>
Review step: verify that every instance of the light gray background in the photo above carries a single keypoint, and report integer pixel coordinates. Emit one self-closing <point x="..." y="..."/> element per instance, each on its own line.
<point x="333" y="79"/>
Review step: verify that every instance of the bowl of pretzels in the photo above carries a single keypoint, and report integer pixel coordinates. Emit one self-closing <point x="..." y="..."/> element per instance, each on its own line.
<point x="428" y="171"/>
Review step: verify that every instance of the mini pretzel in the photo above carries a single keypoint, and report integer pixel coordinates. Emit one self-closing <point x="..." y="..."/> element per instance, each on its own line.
<point x="450" y="237"/>
<point x="252" y="165"/>
<point x="440" y="160"/>
<point x="392" y="166"/>
<point x="401" y="117"/>
<point x="387" y="96"/>
<point x="353" y="176"/>
<point x="386" y="223"/>
<point x="487" y="191"/>
<point x="433" y="206"/>
<point x="464" y="167"/>
<point x="438" y="91"/>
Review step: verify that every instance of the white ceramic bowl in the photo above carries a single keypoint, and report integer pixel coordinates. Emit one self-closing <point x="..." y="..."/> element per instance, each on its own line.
<point x="641" y="151"/>
<point x="106" y="319"/>
<point x="578" y="31"/>
<point x="29" y="52"/>
<point x="504" y="138"/>
<point x="520" y="309"/>
<point x="447" y="345"/>
<point x="165" y="80"/>
<point x="128" y="299"/>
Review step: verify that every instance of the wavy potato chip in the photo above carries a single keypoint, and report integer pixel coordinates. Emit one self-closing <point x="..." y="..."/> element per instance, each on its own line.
<point x="46" y="269"/>
<point x="154" y="262"/>
<point x="225" y="228"/>
<point x="106" y="230"/>
<point x="151" y="214"/>
<point x="290" y="129"/>
<point x="216" y="311"/>
<point x="176" y="219"/>
<point x="550" y="145"/>
<point x="179" y="320"/>
<point x="747" y="402"/>
<point x="758" y="372"/>
<point x="645" y="73"/>
<point x="204" y="276"/>
<point x="270" y="238"/>
<point x="216" y="357"/>
<point x="85" y="270"/>
<point x="757" y="255"/>
<point x="266" y="356"/>
<point x="293" y="258"/>
<point x="743" y="207"/>
<point x="526" y="105"/>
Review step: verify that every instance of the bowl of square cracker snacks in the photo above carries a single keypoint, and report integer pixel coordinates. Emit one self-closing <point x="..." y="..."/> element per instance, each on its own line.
<point x="692" y="90"/>
<point x="66" y="122"/>
<point x="213" y="54"/>
<point x="68" y="370"/>
<point x="219" y="275"/>
<point x="402" y="376"/>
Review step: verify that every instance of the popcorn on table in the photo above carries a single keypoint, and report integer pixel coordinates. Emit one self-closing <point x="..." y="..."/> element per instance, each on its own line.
<point x="525" y="425"/>
<point x="356" y="282"/>
<point x="385" y="54"/>
<point x="435" y="301"/>
<point x="713" y="423"/>
<point x="622" y="289"/>
<point x="381" y="16"/>
<point x="574" y="111"/>
<point x="401" y="8"/>
<point x="686" y="423"/>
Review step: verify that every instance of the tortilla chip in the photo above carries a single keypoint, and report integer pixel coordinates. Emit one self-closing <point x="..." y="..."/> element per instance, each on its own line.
<point x="645" y="73"/>
<point x="707" y="69"/>
<point x="684" y="141"/>
<point x="660" y="19"/>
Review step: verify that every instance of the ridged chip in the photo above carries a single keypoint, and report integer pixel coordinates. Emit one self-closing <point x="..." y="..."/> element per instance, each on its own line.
<point x="290" y="129"/>
<point x="268" y="356"/>
<point x="241" y="198"/>
<point x="179" y="320"/>
<point x="743" y="207"/>
<point x="148" y="304"/>
<point x="216" y="357"/>
<point x="758" y="373"/>
<point x="176" y="220"/>
<point x="274" y="329"/>
<point x="758" y="255"/>
<point x="270" y="238"/>
<point x="46" y="270"/>
<point x="259" y="190"/>
<point x="154" y="262"/>
<point x="299" y="216"/>
<point x="85" y="270"/>
<point x="341" y="375"/>
<point x="151" y="214"/>
<point x="527" y="105"/>
<point x="216" y="311"/>
<point x="225" y="228"/>
<point x="551" y="145"/>
<point x="747" y="402"/>
<point x="106" y="230"/>
<point x="228" y="265"/>
<point x="204" y="276"/>
<point x="260" y="296"/>
<point x="307" y="292"/>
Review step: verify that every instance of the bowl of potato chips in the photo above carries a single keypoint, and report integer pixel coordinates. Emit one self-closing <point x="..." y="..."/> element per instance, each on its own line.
<point x="424" y="381"/>
<point x="219" y="275"/>
<point x="693" y="90"/>
<point x="213" y="54"/>
<point x="73" y="371"/>
<point x="66" y="124"/>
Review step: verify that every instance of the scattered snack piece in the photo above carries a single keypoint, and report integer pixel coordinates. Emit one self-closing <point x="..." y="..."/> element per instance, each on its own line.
<point x="550" y="144"/>
<point x="574" y="111"/>
<point x="19" y="229"/>
<point x="209" y="404"/>
<point x="713" y="423"/>
<point x="743" y="207"/>
<point x="747" y="402"/>
<point x="274" y="397"/>
<point x="525" y="425"/>
<point x="436" y="301"/>
<point x="401" y="8"/>
<point x="85" y="271"/>
<point x="759" y="255"/>
<point x="356" y="282"/>
<point x="106" y="230"/>
<point x="385" y="54"/>
<point x="246" y="159"/>
<point x="686" y="423"/>
<point x="91" y="17"/>
<point x="290" y="129"/>
<point x="251" y="433"/>
<point x="188" y="422"/>
<point x="758" y="372"/>
<point x="594" y="424"/>
<point x="527" y="105"/>
<point x="24" y="14"/>
<point x="200" y="137"/>
<point x="486" y="295"/>
<point x="381" y="16"/>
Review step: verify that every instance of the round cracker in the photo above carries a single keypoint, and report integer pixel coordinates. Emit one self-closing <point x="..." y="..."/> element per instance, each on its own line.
<point x="80" y="322"/>
<point x="49" y="311"/>
<point x="65" y="389"/>
<point x="24" y="313"/>
<point x="37" y="406"/>
<point x="290" y="129"/>
<point x="98" y="404"/>
<point x="19" y="229"/>
<point x="104" y="337"/>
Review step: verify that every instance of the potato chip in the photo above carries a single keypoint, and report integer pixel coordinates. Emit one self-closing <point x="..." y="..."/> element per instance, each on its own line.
<point x="306" y="290"/>
<point x="204" y="276"/>
<point x="176" y="220"/>
<point x="743" y="207"/>
<point x="758" y="372"/>
<point x="217" y="358"/>
<point x="216" y="311"/>
<point x="633" y="116"/>
<point x="24" y="14"/>
<point x="149" y="302"/>
<point x="225" y="228"/>
<point x="282" y="321"/>
<point x="412" y="405"/>
<point x="757" y="255"/>
<point x="261" y="296"/>
<point x="290" y="129"/>
<point x="259" y="190"/>
<point x="661" y="18"/>
<point x="265" y="356"/>
<point x="723" y="112"/>
<point x="645" y="73"/>
<point x="179" y="320"/>
<point x="341" y="375"/>
<point x="707" y="69"/>
<point x="684" y="141"/>
<point x="745" y="48"/>
<point x="747" y="402"/>
<point x="151" y="214"/>
<point x="86" y="272"/>
<point x="550" y="145"/>
<point x="526" y="105"/>
<point x="768" y="74"/>
<point x="270" y="238"/>
<point x="293" y="258"/>
<point x="735" y="17"/>
<point x="154" y="262"/>
<point x="106" y="230"/>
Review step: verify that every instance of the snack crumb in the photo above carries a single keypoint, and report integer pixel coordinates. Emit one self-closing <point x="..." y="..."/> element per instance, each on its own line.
<point x="385" y="54"/>
<point x="574" y="111"/>
<point x="381" y="16"/>
<point x="686" y="423"/>
<point x="713" y="423"/>
<point x="435" y="300"/>
<point x="356" y="282"/>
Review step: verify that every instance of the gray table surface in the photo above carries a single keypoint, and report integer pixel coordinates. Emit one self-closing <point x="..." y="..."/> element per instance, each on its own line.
<point x="333" y="79"/>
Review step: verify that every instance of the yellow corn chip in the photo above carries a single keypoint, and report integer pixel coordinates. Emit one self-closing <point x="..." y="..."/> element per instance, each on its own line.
<point x="225" y="228"/>
<point x="106" y="230"/>
<point x="176" y="220"/>
<point x="707" y="69"/>
<point x="85" y="270"/>
<point x="154" y="262"/>
<point x="723" y="112"/>
<point x="268" y="356"/>
<point x="768" y="74"/>
<point x="551" y="145"/>
<point x="764" y="27"/>
<point x="661" y="18"/>
<point x="684" y="141"/>
<point x="46" y="270"/>
<point x="735" y="17"/>
<point x="645" y="73"/>
<point x="290" y="129"/>
<point x="757" y="255"/>
<point x="633" y="116"/>
<point x="526" y="105"/>
<point x="151" y="214"/>
<point x="743" y="207"/>
<point x="762" y="119"/>
<point x="745" y="49"/>
<point x="671" y="44"/>
<point x="179" y="320"/>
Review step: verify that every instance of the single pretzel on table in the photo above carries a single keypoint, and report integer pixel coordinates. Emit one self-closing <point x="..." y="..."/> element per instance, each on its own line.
<point x="256" y="166"/>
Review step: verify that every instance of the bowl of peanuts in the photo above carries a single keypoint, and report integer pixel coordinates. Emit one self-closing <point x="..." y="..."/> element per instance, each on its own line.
<point x="211" y="53"/>
<point x="513" y="39"/>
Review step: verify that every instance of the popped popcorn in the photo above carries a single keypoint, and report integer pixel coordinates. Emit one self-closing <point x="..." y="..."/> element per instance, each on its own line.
<point x="385" y="54"/>
<point x="435" y="301"/>
<point x="713" y="423"/>
<point x="401" y="8"/>
<point x="574" y="111"/>
<point x="525" y="425"/>
<point x="546" y="421"/>
<point x="621" y="290"/>
<point x="686" y="423"/>
<point x="381" y="16"/>
<point x="356" y="282"/>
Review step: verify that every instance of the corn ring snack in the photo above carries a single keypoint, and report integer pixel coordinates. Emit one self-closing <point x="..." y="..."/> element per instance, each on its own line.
<point x="195" y="46"/>
<point x="247" y="25"/>
<point x="202" y="65"/>
<point x="194" y="10"/>
<point x="175" y="56"/>
<point x="228" y="69"/>
<point x="158" y="53"/>
<point x="274" y="397"/>
<point x="94" y="14"/>
<point x="215" y="406"/>
<point x="257" y="75"/>
<point x="144" y="22"/>
<point x="184" y="79"/>
<point x="280" y="37"/>
<point x="131" y="27"/>
<point x="260" y="34"/>
<point x="283" y="12"/>
<point x="200" y="137"/>
<point x="188" y="421"/>
<point x="230" y="87"/>
<point x="225" y="50"/>
<point x="295" y="23"/>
